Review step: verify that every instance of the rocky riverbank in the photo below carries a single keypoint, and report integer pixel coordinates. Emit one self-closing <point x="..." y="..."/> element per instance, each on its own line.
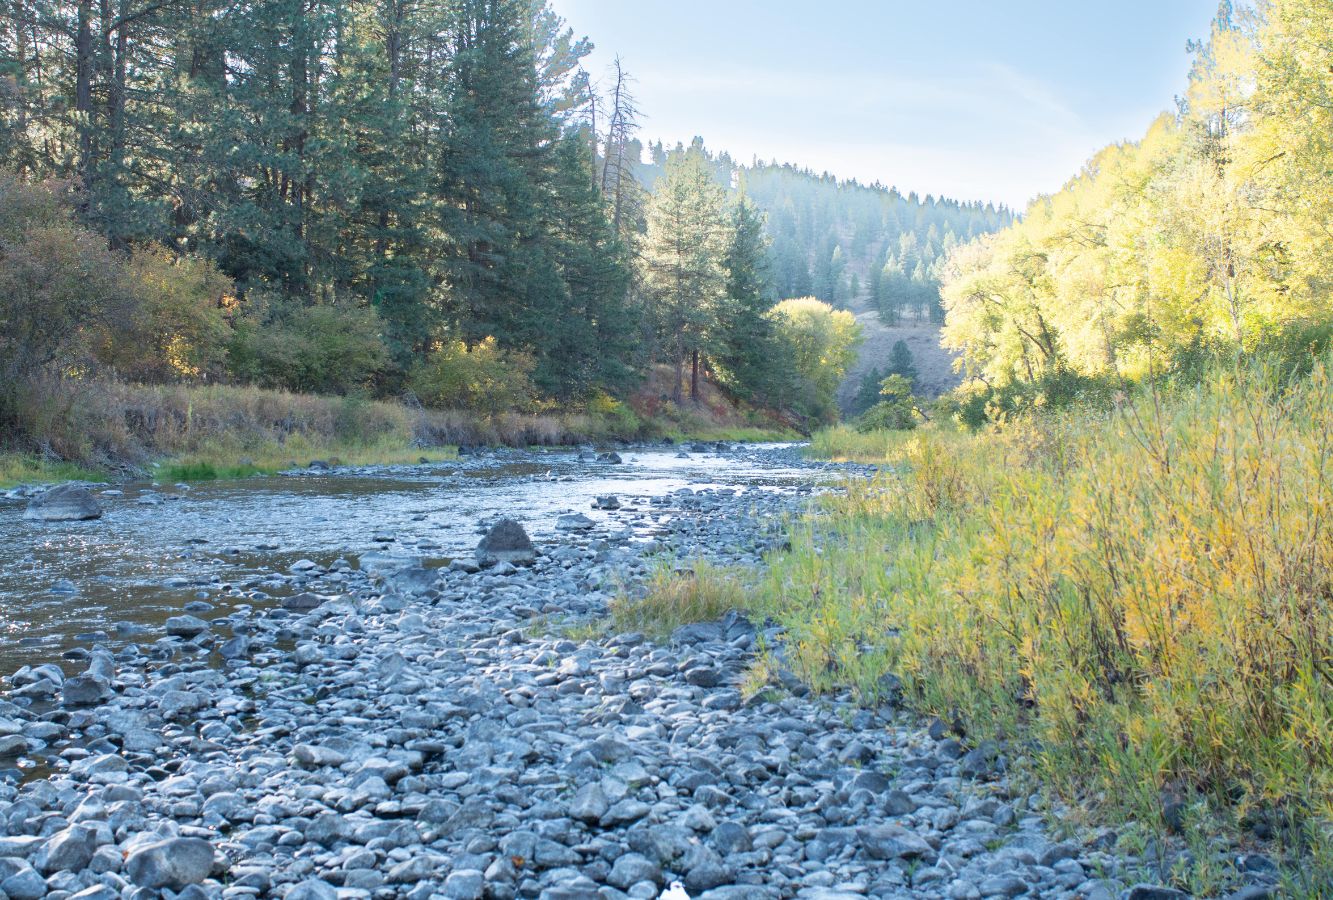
<point x="391" y="730"/>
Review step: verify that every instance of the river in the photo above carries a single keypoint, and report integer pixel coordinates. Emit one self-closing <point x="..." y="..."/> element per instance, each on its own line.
<point x="159" y="549"/>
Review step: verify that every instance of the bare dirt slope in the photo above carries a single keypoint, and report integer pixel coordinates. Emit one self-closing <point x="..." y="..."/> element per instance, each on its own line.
<point x="934" y="364"/>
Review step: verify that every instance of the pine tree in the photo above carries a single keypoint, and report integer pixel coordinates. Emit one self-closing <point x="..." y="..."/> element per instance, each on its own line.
<point x="594" y="346"/>
<point x="683" y="257"/>
<point x="745" y="346"/>
<point x="900" y="362"/>
<point x="493" y="168"/>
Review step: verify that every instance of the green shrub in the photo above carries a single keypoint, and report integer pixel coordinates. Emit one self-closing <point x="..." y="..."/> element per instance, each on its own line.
<point x="179" y="328"/>
<point x="309" y="349"/>
<point x="896" y="412"/>
<point x="482" y="378"/>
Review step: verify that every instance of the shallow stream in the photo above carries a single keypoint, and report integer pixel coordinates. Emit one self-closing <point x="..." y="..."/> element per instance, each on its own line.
<point x="159" y="548"/>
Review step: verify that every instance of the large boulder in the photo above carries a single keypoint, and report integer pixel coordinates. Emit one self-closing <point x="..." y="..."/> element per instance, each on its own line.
<point x="506" y="542"/>
<point x="64" y="503"/>
<point x="186" y="626"/>
<point x="173" y="863"/>
<point x="88" y="689"/>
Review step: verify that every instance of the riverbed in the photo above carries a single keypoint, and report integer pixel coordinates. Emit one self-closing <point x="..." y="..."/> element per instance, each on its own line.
<point x="65" y="587"/>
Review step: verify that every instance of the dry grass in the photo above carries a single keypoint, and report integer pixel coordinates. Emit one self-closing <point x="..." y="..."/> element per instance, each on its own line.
<point x="673" y="597"/>
<point x="1145" y="593"/>
<point x="217" y="430"/>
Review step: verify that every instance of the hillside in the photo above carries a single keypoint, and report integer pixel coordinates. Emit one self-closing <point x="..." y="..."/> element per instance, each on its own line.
<point x="840" y="240"/>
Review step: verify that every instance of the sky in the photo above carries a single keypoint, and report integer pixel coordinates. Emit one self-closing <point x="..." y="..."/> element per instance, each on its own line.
<point x="993" y="100"/>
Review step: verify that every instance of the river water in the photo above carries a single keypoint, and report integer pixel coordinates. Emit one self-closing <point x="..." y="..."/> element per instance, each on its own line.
<point x="158" y="548"/>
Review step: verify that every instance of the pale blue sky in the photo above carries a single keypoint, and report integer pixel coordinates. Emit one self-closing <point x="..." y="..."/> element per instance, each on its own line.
<point x="977" y="100"/>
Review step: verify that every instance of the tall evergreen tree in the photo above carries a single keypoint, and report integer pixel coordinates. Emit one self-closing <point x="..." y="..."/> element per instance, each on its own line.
<point x="494" y="169"/>
<point x="595" y="342"/>
<point x="745" y="345"/>
<point x="683" y="255"/>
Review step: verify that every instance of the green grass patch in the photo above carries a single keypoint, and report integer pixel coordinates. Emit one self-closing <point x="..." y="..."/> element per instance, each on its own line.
<point x="672" y="597"/>
<point x="20" y="468"/>
<point x="222" y="459"/>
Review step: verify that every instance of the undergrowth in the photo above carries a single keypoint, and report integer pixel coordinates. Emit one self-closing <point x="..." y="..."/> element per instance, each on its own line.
<point x="1141" y="593"/>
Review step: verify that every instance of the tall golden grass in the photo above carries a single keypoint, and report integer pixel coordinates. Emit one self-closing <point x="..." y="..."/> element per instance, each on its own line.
<point x="1143" y="594"/>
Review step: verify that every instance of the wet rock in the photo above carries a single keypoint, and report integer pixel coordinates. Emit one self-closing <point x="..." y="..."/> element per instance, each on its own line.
<point x="303" y="602"/>
<point x="611" y="457"/>
<point x="235" y="648"/>
<point x="608" y="502"/>
<point x="186" y="626"/>
<point x="64" y="503"/>
<point x="172" y="863"/>
<point x="506" y="541"/>
<point x="574" y="522"/>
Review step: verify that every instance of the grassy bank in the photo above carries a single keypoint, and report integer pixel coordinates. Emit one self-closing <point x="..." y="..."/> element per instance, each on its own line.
<point x="1137" y="600"/>
<point x="1143" y="596"/>
<point x="25" y="468"/>
<point x="94" y="430"/>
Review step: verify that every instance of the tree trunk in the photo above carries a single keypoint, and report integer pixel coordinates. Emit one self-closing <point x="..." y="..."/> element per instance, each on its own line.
<point x="694" y="375"/>
<point x="83" y="90"/>
<point x="116" y="113"/>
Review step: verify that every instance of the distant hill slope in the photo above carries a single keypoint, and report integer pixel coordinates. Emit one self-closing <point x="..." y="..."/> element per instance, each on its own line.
<point x="842" y="241"/>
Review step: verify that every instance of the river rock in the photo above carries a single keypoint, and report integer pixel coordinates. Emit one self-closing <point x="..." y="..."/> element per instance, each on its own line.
<point x="303" y="602"/>
<point x="574" y="522"/>
<point x="24" y="884"/>
<point x="86" y="690"/>
<point x="172" y="863"/>
<point x="312" y="889"/>
<point x="506" y="542"/>
<point x="68" y="850"/>
<point x="610" y="501"/>
<point x="893" y="842"/>
<point x="186" y="626"/>
<point x="64" y="503"/>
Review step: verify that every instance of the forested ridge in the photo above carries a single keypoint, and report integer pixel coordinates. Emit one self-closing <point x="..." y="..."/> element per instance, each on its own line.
<point x="837" y="239"/>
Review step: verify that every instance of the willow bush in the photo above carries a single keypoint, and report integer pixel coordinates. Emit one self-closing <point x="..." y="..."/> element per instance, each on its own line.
<point x="1141" y="593"/>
